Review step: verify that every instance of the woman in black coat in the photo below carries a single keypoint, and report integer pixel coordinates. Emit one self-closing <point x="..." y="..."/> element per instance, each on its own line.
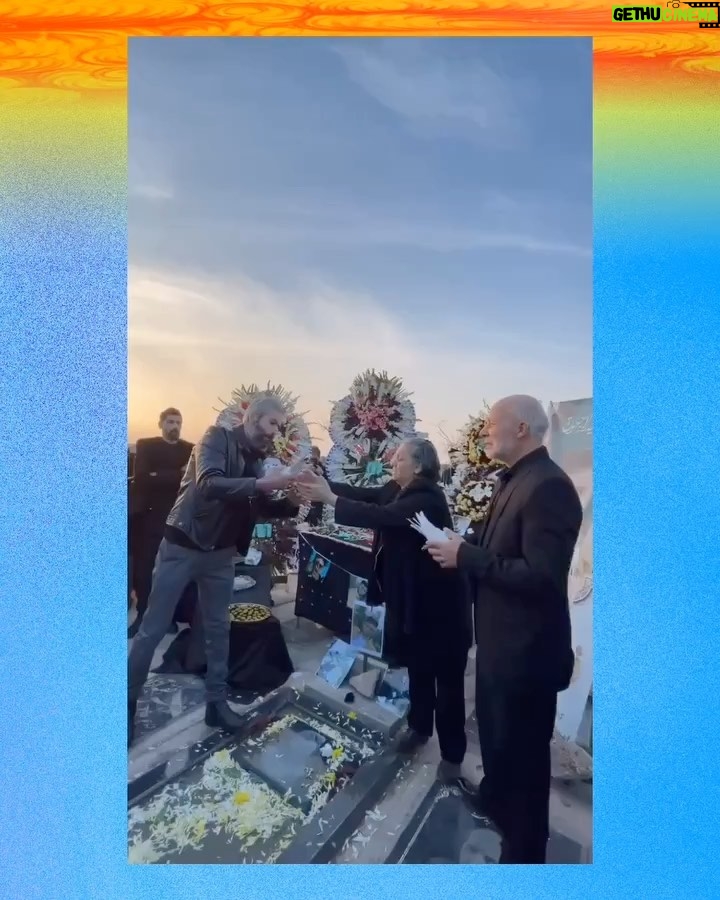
<point x="428" y="623"/>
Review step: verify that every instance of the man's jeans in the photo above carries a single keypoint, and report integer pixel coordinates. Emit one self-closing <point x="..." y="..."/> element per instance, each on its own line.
<point x="175" y="568"/>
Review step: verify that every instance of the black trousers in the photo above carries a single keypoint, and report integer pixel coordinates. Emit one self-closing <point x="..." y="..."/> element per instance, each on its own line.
<point x="150" y="533"/>
<point x="515" y="728"/>
<point x="437" y="697"/>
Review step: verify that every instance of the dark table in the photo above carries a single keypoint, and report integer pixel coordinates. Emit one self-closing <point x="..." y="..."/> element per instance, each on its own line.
<point x="325" y="601"/>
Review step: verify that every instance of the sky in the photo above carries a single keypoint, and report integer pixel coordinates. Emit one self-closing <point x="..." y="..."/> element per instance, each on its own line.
<point x="301" y="210"/>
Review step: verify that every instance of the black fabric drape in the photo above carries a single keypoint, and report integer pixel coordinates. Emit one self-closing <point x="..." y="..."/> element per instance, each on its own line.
<point x="258" y="659"/>
<point x="325" y="602"/>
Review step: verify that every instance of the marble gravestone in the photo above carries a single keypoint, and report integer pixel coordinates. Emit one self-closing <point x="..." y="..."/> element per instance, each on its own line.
<point x="288" y="788"/>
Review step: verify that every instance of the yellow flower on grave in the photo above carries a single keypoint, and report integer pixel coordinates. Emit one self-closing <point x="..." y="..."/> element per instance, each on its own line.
<point x="338" y="752"/>
<point x="331" y="778"/>
<point x="241" y="797"/>
<point x="352" y="715"/>
<point x="199" y="830"/>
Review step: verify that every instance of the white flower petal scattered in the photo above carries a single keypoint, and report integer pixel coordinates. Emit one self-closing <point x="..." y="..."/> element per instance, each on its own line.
<point x="228" y="802"/>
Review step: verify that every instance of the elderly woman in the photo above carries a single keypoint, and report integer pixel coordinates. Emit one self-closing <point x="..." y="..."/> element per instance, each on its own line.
<point x="428" y="624"/>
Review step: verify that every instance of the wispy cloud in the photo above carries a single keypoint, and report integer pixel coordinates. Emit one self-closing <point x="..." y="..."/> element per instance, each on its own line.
<point x="152" y="192"/>
<point x="219" y="335"/>
<point x="421" y="236"/>
<point x="434" y="93"/>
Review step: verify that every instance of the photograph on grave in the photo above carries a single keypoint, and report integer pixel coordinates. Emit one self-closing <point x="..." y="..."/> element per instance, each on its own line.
<point x="318" y="567"/>
<point x="570" y="444"/>
<point x="357" y="590"/>
<point x="337" y="663"/>
<point x="367" y="628"/>
<point x="393" y="692"/>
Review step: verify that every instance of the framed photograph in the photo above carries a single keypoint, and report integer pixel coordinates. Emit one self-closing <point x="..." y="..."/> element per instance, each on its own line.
<point x="337" y="663"/>
<point x="317" y="567"/>
<point x="462" y="523"/>
<point x="357" y="590"/>
<point x="367" y="629"/>
<point x="394" y="693"/>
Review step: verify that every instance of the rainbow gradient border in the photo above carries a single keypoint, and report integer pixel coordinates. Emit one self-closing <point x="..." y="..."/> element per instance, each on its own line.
<point x="62" y="504"/>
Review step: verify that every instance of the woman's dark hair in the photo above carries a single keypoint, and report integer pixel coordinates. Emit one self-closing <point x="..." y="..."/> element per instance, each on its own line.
<point x="424" y="455"/>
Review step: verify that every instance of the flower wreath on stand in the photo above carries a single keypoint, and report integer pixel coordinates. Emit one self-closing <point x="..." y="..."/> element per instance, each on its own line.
<point x="474" y="473"/>
<point x="292" y="445"/>
<point x="366" y="428"/>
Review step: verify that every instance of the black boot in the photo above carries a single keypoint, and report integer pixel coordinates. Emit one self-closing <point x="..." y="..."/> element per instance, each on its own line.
<point x="410" y="742"/>
<point x="132" y="708"/>
<point x="220" y="715"/>
<point x="477" y="805"/>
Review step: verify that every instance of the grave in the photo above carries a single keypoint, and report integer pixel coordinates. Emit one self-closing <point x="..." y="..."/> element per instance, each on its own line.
<point x="443" y="831"/>
<point x="289" y="787"/>
<point x="167" y="697"/>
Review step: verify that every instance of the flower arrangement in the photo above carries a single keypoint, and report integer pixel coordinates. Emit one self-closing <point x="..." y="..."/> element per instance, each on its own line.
<point x="469" y="448"/>
<point x="474" y="472"/>
<point x="366" y="428"/>
<point x="293" y="444"/>
<point x="366" y="464"/>
<point x="473" y="499"/>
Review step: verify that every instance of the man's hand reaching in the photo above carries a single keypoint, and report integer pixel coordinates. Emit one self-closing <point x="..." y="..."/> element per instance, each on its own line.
<point x="274" y="481"/>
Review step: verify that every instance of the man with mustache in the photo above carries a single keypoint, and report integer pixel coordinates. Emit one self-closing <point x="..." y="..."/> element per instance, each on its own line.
<point x="159" y="466"/>
<point x="518" y="563"/>
<point x="222" y="495"/>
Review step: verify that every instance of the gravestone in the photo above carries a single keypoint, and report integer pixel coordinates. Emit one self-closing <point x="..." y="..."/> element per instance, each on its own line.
<point x="443" y="831"/>
<point x="288" y="787"/>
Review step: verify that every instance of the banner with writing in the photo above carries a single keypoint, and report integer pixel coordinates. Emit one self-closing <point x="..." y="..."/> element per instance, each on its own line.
<point x="570" y="443"/>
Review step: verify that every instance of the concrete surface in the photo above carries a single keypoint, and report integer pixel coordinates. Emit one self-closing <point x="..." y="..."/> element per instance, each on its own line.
<point x="372" y="842"/>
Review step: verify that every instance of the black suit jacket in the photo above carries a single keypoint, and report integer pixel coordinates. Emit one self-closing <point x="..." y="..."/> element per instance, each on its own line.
<point x="427" y="608"/>
<point x="519" y="563"/>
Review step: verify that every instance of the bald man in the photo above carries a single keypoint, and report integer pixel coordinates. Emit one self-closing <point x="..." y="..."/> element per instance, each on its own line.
<point x="518" y="562"/>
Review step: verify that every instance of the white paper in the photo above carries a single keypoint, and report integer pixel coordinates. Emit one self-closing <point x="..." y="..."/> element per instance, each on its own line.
<point x="462" y="524"/>
<point x="425" y="527"/>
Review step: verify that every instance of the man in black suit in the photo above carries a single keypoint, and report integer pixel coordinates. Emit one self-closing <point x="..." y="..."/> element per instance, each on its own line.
<point x="518" y="563"/>
<point x="159" y="466"/>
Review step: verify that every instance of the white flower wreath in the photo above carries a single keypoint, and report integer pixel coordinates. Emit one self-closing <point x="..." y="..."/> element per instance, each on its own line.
<point x="293" y="444"/>
<point x="474" y="473"/>
<point x="366" y="428"/>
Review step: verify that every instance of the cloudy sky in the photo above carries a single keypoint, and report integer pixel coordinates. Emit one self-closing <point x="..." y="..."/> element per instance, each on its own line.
<point x="301" y="210"/>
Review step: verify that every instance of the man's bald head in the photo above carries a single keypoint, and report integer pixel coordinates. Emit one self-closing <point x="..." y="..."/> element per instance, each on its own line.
<point x="516" y="426"/>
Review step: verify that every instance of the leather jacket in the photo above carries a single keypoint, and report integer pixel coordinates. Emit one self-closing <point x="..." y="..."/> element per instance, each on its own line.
<point x="218" y="504"/>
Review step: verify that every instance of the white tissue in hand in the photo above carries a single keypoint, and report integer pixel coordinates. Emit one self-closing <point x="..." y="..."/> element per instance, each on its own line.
<point x="294" y="469"/>
<point x="425" y="527"/>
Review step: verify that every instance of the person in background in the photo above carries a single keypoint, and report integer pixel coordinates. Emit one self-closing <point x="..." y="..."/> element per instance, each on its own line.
<point x="428" y="623"/>
<point x="518" y="563"/>
<point x="222" y="495"/>
<point x="315" y="515"/>
<point x="159" y="466"/>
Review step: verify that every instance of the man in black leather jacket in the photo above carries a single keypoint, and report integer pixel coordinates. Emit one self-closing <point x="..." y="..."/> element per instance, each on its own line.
<point x="222" y="495"/>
